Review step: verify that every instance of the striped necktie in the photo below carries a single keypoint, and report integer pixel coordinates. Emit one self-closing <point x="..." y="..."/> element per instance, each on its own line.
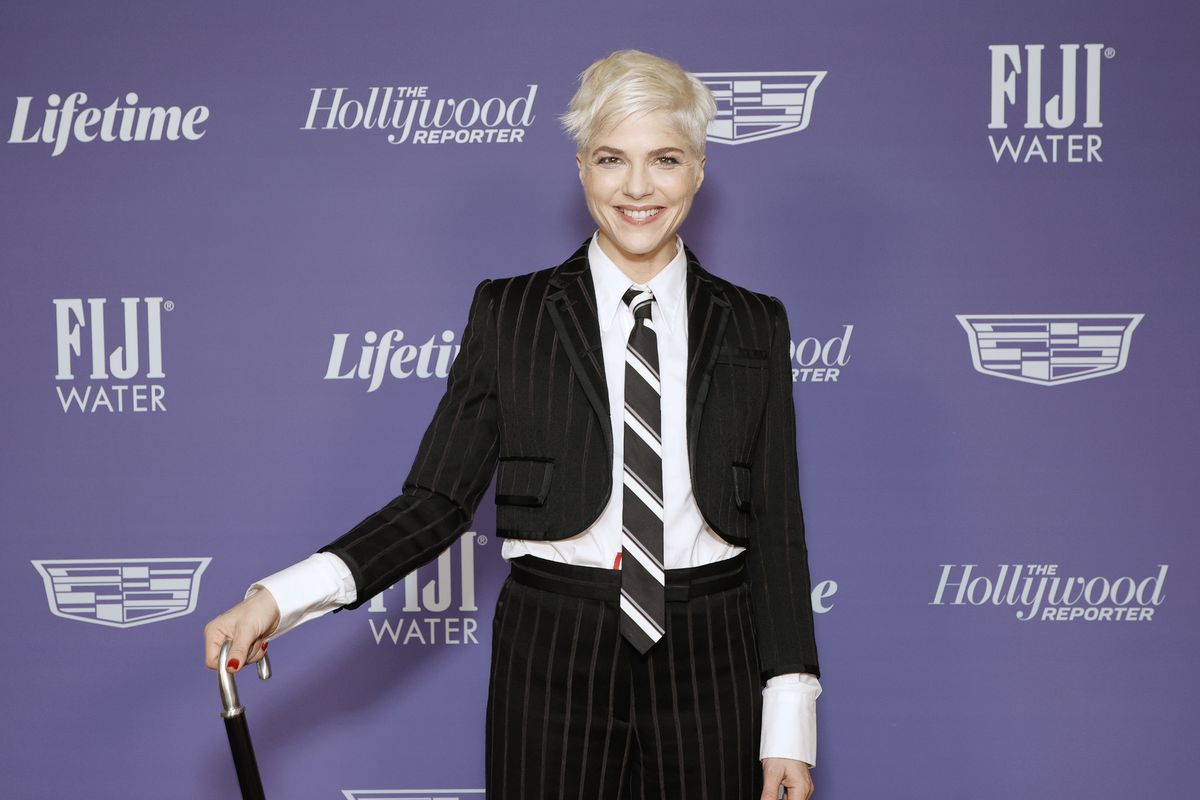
<point x="643" y="593"/>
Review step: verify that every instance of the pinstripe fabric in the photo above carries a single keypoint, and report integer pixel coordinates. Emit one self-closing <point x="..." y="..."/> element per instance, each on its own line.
<point x="576" y="713"/>
<point x="526" y="396"/>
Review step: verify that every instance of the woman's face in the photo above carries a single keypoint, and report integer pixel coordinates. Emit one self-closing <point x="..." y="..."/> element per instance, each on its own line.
<point x="639" y="178"/>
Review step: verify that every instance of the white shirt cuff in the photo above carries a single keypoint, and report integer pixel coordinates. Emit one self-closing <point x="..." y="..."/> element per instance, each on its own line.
<point x="308" y="589"/>
<point x="789" y="717"/>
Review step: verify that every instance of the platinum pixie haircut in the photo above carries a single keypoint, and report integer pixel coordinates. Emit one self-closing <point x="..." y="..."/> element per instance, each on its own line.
<point x="629" y="82"/>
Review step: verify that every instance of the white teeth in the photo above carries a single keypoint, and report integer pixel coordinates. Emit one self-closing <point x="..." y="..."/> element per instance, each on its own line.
<point x="640" y="214"/>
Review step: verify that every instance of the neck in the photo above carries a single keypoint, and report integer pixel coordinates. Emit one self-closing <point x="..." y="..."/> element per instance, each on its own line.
<point x="638" y="267"/>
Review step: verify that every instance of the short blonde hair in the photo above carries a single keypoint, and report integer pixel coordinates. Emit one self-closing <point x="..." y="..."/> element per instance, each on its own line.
<point x="629" y="82"/>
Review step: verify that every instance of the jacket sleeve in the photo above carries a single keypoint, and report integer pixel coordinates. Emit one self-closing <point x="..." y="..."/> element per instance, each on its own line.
<point x="777" y="559"/>
<point x="452" y="469"/>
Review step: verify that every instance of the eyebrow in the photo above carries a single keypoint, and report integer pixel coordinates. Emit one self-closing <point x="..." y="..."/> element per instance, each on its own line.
<point x="619" y="152"/>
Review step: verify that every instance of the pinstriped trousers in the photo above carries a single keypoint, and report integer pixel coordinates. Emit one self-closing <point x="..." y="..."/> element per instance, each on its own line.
<point x="576" y="713"/>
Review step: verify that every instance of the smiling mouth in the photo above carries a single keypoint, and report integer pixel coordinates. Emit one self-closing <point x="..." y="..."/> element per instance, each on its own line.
<point x="639" y="215"/>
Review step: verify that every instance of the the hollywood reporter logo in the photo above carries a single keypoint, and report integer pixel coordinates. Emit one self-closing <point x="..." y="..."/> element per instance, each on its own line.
<point x="110" y="360"/>
<point x="1038" y="591"/>
<point x="410" y="114"/>
<point x="816" y="360"/>
<point x="1025" y="90"/>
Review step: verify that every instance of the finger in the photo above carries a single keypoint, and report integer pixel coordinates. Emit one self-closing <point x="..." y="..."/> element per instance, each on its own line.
<point x="214" y="636"/>
<point x="238" y="651"/>
<point x="770" y="786"/>
<point x="798" y="783"/>
<point x="257" y="650"/>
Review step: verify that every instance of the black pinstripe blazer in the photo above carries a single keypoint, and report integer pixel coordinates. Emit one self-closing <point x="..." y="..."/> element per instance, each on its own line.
<point x="527" y="393"/>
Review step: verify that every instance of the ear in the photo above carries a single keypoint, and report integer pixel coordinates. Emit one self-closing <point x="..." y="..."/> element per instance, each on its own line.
<point x="700" y="172"/>
<point x="579" y="165"/>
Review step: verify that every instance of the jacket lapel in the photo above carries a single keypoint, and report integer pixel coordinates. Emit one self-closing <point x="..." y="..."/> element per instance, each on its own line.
<point x="708" y="312"/>
<point x="571" y="304"/>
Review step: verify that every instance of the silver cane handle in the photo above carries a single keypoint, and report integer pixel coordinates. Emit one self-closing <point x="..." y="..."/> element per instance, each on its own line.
<point x="231" y="706"/>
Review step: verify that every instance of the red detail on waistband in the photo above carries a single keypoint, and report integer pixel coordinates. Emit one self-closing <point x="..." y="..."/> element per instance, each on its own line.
<point x="617" y="562"/>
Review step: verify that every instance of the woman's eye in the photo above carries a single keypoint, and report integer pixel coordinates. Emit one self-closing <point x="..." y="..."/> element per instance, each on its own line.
<point x="671" y="160"/>
<point x="607" y="160"/>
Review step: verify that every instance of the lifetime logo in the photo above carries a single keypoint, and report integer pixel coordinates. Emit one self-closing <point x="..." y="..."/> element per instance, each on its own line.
<point x="70" y="118"/>
<point x="381" y="355"/>
<point x="139" y="355"/>
<point x="1017" y="84"/>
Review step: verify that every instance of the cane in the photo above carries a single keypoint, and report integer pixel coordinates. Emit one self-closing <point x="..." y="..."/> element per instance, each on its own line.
<point x="235" y="726"/>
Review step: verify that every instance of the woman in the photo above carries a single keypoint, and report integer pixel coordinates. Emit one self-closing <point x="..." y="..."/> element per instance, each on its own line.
<point x="637" y="623"/>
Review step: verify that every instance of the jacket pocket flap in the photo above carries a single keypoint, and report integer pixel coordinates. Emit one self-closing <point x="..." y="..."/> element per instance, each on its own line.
<point x="746" y="356"/>
<point x="523" y="481"/>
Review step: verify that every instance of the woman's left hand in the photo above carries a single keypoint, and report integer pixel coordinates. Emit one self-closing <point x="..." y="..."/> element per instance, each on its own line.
<point x="786" y="773"/>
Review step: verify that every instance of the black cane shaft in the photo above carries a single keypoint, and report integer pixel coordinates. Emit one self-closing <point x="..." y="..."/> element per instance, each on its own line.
<point x="243" y="758"/>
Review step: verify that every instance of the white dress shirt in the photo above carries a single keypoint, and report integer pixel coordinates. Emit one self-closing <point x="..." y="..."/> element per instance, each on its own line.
<point x="323" y="582"/>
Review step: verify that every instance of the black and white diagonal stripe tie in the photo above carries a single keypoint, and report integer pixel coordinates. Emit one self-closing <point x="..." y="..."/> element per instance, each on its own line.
<point x="643" y="593"/>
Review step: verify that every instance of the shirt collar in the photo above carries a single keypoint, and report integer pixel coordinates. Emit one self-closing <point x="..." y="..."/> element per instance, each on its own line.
<point x="611" y="283"/>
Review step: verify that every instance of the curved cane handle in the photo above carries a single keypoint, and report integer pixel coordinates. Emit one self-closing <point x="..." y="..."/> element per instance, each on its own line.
<point x="231" y="706"/>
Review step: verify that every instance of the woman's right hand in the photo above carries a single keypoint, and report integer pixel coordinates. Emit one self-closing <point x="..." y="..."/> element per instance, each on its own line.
<point x="248" y="624"/>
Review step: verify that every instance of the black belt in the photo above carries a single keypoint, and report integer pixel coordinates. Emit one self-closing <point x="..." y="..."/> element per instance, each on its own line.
<point x="594" y="583"/>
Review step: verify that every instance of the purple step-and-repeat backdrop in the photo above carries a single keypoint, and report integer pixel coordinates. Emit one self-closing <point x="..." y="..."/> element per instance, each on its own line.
<point x="239" y="243"/>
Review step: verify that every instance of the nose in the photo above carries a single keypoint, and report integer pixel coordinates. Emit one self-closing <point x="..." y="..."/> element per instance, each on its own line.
<point x="638" y="182"/>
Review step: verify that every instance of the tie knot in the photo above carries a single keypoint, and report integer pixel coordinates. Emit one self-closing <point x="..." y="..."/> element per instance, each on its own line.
<point x="638" y="301"/>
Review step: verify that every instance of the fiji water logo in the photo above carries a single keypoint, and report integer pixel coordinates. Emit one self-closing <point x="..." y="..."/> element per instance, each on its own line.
<point x="433" y="605"/>
<point x="1049" y="349"/>
<point x="122" y="592"/>
<point x="411" y="794"/>
<point x="752" y="106"/>
<point x="110" y="359"/>
<point x="1059" y="115"/>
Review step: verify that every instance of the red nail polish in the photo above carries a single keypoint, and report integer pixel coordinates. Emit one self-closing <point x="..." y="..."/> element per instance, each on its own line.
<point x="264" y="646"/>
<point x="233" y="663"/>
